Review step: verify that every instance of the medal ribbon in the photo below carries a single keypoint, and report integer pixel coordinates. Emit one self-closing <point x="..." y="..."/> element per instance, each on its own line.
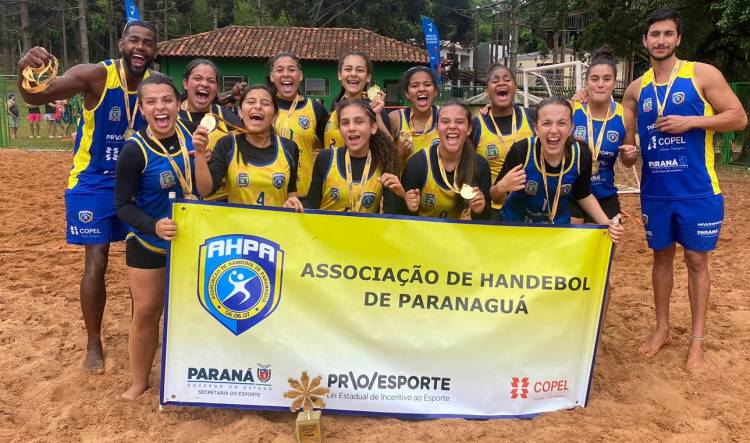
<point x="130" y="114"/>
<point x="597" y="144"/>
<point x="512" y="128"/>
<point x="185" y="183"/>
<point x="551" y="211"/>
<point x="285" y="127"/>
<point x="452" y="186"/>
<point x="428" y="125"/>
<point x="354" y="206"/>
<point x="672" y="77"/>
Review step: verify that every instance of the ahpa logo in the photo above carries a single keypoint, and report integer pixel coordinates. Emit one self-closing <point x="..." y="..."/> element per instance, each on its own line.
<point x="678" y="98"/>
<point x="492" y="152"/>
<point x="85" y="216"/>
<point x="580" y="134"/>
<point x="519" y="388"/>
<point x="368" y="198"/>
<point x="304" y="122"/>
<point x="239" y="279"/>
<point x="613" y="136"/>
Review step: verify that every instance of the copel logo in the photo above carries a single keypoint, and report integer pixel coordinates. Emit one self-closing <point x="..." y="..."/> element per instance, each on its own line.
<point x="519" y="388"/>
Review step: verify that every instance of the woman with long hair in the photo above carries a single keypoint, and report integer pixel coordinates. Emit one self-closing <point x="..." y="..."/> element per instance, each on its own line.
<point x="449" y="179"/>
<point x="259" y="166"/>
<point x="300" y="119"/>
<point x="355" y="75"/>
<point x="200" y="80"/>
<point x="599" y="123"/>
<point x="543" y="174"/>
<point x="154" y="162"/>
<point x="357" y="176"/>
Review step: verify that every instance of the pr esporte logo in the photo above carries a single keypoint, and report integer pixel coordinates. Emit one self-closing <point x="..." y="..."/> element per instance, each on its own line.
<point x="519" y="388"/>
<point x="240" y="279"/>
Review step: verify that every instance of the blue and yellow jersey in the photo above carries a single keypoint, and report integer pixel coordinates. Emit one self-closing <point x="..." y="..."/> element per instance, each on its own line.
<point x="213" y="136"/>
<point x="332" y="137"/>
<point x="299" y="126"/>
<point x="675" y="166"/>
<point x="530" y="205"/>
<point x="436" y="199"/>
<point x="100" y="136"/>
<point x="158" y="179"/>
<point x="259" y="184"/>
<point x="420" y="140"/>
<point x="603" y="182"/>
<point x="335" y="195"/>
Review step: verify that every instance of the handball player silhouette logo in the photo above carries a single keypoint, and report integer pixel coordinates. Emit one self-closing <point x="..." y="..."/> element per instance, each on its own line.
<point x="239" y="280"/>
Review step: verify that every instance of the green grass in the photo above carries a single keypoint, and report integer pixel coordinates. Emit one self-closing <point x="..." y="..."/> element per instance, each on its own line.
<point x="24" y="129"/>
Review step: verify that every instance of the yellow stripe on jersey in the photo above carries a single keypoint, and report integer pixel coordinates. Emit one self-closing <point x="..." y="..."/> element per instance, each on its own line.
<point x="420" y="141"/>
<point x="435" y="200"/>
<point x="83" y="155"/>
<point x="336" y="190"/>
<point x="332" y="136"/>
<point x="301" y="130"/>
<point x="262" y="185"/>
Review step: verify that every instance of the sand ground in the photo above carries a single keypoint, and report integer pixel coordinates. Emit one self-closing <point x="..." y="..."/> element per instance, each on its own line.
<point x="45" y="396"/>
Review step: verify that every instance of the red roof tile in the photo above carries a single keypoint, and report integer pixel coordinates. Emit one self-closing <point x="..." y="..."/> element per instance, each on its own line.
<point x="306" y="43"/>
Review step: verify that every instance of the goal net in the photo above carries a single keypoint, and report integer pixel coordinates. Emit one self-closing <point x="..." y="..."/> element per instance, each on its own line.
<point x="626" y="179"/>
<point x="562" y="79"/>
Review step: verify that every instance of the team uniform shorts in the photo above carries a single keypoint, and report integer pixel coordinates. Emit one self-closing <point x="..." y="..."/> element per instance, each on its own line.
<point x="137" y="256"/>
<point x="694" y="223"/>
<point x="34" y="118"/>
<point x="91" y="218"/>
<point x="610" y="205"/>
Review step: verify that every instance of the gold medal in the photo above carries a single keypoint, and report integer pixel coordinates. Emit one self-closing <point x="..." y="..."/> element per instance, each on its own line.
<point x="355" y="203"/>
<point x="209" y="122"/>
<point x="374" y="92"/>
<point x="595" y="143"/>
<point x="36" y="80"/>
<point x="660" y="106"/>
<point x="191" y="197"/>
<point x="128" y="133"/>
<point x="467" y="192"/>
<point x="130" y="114"/>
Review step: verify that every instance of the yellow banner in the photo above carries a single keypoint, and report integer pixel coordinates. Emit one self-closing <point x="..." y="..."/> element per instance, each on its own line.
<point x="400" y="316"/>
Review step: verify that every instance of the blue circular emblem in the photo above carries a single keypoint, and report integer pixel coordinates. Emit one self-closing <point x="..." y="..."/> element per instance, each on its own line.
<point x="239" y="289"/>
<point x="304" y="122"/>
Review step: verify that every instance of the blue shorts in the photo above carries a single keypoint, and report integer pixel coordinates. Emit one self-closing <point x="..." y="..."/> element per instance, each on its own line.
<point x="694" y="223"/>
<point x="92" y="219"/>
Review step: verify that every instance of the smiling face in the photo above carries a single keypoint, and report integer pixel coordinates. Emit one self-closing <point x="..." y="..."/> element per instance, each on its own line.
<point x="420" y="91"/>
<point x="286" y="75"/>
<point x="356" y="127"/>
<point x="201" y="88"/>
<point x="454" y="125"/>
<point x="553" y="126"/>
<point x="354" y="75"/>
<point x="662" y="39"/>
<point x="501" y="88"/>
<point x="159" y="107"/>
<point x="138" y="49"/>
<point x="257" y="111"/>
<point x="600" y="83"/>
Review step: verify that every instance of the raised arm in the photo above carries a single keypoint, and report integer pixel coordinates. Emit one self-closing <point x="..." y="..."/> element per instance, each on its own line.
<point x="88" y="79"/>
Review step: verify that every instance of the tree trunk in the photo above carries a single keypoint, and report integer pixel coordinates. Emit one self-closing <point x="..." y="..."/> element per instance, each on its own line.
<point x="64" y="39"/>
<point x="6" y="45"/>
<point x="25" y="35"/>
<point x="514" y="34"/>
<point x="142" y="9"/>
<point x="83" y="31"/>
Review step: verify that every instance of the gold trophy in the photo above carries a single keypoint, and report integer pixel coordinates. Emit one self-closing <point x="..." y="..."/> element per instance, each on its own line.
<point x="307" y="394"/>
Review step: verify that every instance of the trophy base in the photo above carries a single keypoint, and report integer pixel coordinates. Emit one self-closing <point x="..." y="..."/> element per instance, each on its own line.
<point x="309" y="427"/>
